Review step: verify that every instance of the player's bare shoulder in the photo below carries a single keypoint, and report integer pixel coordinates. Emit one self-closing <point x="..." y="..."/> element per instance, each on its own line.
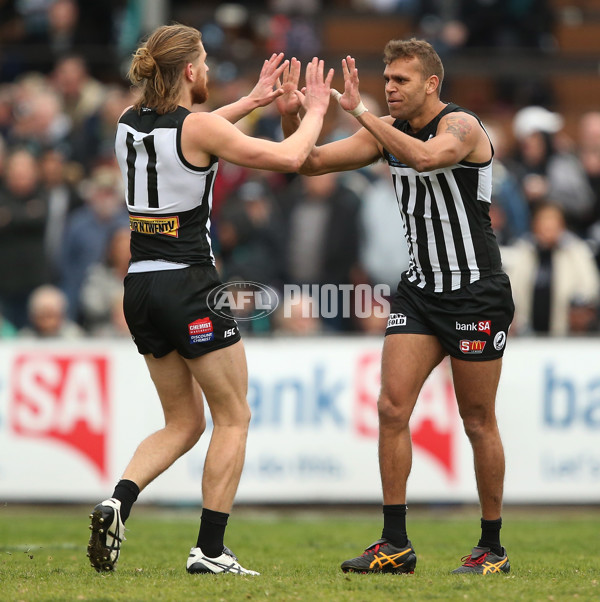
<point x="460" y="125"/>
<point x="469" y="133"/>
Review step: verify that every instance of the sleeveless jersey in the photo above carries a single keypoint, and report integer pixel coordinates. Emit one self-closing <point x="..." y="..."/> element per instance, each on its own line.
<point x="446" y="217"/>
<point x="168" y="199"/>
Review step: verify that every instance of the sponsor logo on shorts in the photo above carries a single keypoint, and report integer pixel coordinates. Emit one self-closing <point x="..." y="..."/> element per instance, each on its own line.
<point x="499" y="340"/>
<point x="481" y="326"/>
<point x="396" y="320"/>
<point x="467" y="346"/>
<point x="169" y="226"/>
<point x="201" y="331"/>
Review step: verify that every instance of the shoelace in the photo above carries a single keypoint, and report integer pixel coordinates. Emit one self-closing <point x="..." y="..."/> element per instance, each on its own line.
<point x="469" y="561"/>
<point x="374" y="549"/>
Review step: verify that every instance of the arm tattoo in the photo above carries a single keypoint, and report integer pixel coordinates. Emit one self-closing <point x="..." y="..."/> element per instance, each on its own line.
<point x="458" y="127"/>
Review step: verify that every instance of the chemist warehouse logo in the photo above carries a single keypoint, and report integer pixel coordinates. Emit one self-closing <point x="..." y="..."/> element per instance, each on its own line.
<point x="169" y="226"/>
<point x="63" y="398"/>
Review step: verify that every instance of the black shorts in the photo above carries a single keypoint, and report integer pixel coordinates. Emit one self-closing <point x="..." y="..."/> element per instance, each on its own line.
<point x="471" y="323"/>
<point x="168" y="310"/>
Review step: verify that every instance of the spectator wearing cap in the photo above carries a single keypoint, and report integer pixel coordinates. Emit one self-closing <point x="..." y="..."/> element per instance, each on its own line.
<point x="547" y="168"/>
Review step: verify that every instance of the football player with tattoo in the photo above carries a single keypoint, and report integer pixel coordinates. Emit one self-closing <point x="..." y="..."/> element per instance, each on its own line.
<point x="168" y="157"/>
<point x="454" y="299"/>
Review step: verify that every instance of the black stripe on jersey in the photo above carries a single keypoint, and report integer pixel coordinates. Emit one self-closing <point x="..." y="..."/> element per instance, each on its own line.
<point x="403" y="202"/>
<point x="151" y="171"/>
<point x="131" y="154"/>
<point x="205" y="206"/>
<point x="438" y="233"/>
<point x="457" y="235"/>
<point x="419" y="212"/>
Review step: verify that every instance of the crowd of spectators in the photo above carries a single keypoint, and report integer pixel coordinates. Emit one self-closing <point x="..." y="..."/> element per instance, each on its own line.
<point x="64" y="224"/>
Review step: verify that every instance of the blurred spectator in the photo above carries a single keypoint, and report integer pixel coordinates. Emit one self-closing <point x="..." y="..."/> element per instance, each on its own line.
<point x="551" y="271"/>
<point x="12" y="32"/>
<point x="322" y="234"/>
<point x="250" y="236"/>
<point x="7" y="330"/>
<point x="509" y="211"/>
<point x="62" y="198"/>
<point x="297" y="316"/>
<point x="47" y="312"/>
<point x="82" y="95"/>
<point x="23" y="217"/>
<point x="450" y="24"/>
<point x="545" y="170"/>
<point x="588" y="147"/>
<point x="116" y="326"/>
<point x="382" y="232"/>
<point x="93" y="143"/>
<point x="103" y="283"/>
<point x="40" y="123"/>
<point x="89" y="229"/>
<point x="52" y="33"/>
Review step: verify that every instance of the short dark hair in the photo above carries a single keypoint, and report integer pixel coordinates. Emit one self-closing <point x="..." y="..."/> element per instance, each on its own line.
<point x="431" y="64"/>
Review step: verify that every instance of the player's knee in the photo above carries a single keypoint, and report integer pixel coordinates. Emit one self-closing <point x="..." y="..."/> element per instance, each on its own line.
<point x="391" y="412"/>
<point x="192" y="432"/>
<point x="477" y="426"/>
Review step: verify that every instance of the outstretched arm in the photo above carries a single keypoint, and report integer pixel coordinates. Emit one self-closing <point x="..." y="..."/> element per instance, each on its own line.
<point x="208" y="134"/>
<point x="344" y="155"/>
<point x="459" y="135"/>
<point x="261" y="95"/>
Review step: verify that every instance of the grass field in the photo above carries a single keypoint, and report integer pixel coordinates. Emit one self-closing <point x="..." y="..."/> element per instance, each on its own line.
<point x="554" y="555"/>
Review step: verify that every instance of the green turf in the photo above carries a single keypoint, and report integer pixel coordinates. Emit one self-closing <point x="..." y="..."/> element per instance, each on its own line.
<point x="554" y="556"/>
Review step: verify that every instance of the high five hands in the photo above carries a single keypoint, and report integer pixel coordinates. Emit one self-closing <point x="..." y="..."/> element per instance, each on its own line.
<point x="291" y="99"/>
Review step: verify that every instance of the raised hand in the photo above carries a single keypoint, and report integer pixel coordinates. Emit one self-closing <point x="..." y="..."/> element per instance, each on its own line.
<point x="291" y="99"/>
<point x="350" y="99"/>
<point x="264" y="91"/>
<point x="318" y="87"/>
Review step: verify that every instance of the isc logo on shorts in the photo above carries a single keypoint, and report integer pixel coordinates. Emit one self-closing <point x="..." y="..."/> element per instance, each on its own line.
<point x="201" y="331"/>
<point x="396" y="320"/>
<point x="467" y="346"/>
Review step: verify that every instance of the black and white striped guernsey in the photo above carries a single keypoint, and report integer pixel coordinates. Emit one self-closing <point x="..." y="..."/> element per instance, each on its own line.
<point x="446" y="217"/>
<point x="168" y="199"/>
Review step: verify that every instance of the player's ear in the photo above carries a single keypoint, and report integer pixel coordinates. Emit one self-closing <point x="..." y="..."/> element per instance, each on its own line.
<point x="433" y="82"/>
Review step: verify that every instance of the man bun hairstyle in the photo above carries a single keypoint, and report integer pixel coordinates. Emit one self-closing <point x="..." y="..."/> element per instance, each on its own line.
<point x="431" y="64"/>
<point x="157" y="64"/>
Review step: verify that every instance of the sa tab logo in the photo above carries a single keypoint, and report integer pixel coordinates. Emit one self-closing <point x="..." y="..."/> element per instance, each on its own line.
<point x="63" y="397"/>
<point x="467" y="346"/>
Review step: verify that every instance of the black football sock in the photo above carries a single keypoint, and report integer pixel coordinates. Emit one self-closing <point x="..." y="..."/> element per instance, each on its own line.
<point x="212" y="532"/>
<point x="490" y="535"/>
<point x="394" y="524"/>
<point x="127" y="493"/>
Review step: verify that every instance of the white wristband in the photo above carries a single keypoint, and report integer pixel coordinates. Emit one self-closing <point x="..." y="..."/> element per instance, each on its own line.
<point x="358" y="110"/>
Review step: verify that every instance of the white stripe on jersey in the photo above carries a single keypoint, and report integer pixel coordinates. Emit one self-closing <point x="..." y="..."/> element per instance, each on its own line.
<point x="446" y="228"/>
